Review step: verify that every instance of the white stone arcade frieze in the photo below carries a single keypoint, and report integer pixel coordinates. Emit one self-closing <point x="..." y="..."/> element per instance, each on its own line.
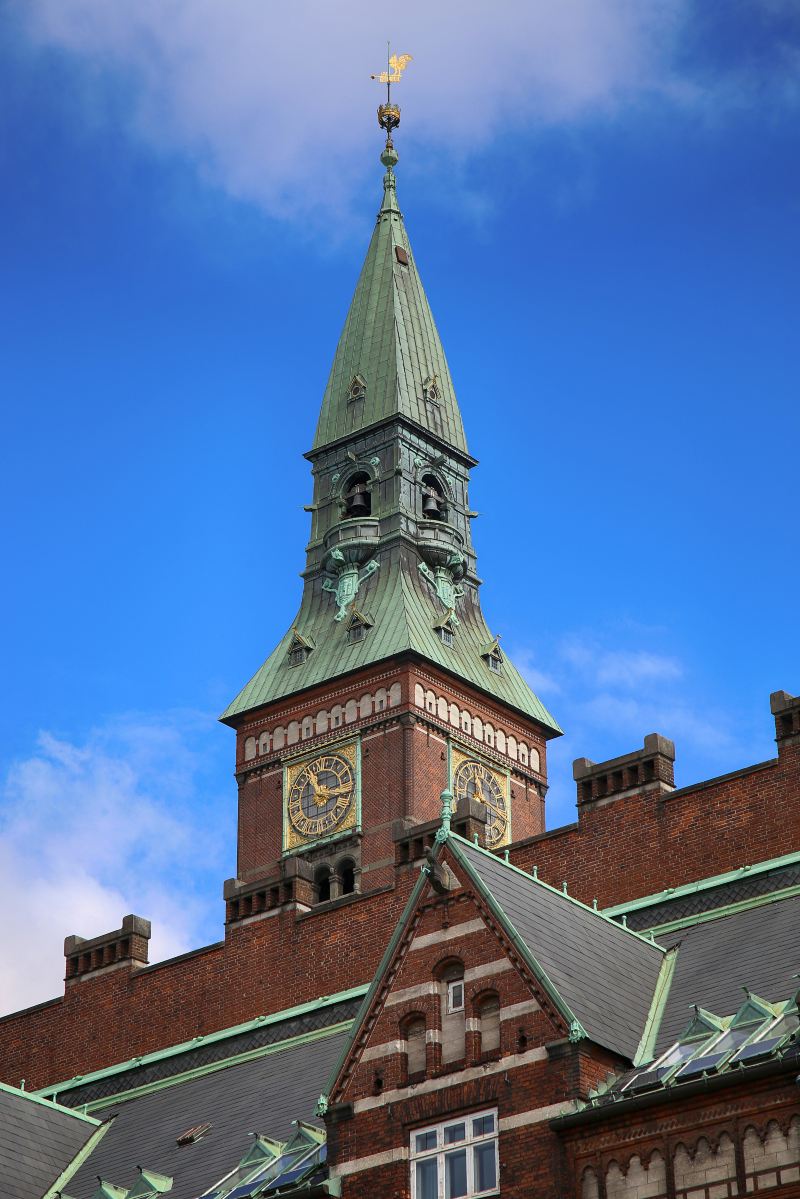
<point x="325" y="721"/>
<point x="476" y="727"/>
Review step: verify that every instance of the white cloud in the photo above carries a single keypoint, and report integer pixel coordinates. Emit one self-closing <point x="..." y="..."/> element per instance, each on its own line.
<point x="120" y="823"/>
<point x="619" y="667"/>
<point x="707" y="731"/>
<point x="611" y="688"/>
<point x="541" y="681"/>
<point x="275" y="104"/>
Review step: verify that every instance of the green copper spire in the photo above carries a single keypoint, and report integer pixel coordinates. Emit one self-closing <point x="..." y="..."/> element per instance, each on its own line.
<point x="390" y="568"/>
<point x="390" y="343"/>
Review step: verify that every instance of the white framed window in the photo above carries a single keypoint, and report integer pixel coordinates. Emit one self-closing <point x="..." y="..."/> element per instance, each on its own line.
<point x="455" y="995"/>
<point x="457" y="1159"/>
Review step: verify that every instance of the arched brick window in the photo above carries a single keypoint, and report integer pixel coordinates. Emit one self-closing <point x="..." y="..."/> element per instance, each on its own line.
<point x="414" y="1037"/>
<point x="488" y="1008"/>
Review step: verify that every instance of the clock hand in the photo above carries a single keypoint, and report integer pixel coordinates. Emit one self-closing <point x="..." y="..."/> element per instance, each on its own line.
<point x="327" y="793"/>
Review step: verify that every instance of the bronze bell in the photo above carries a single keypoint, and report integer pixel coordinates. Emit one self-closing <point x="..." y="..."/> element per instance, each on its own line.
<point x="431" y="505"/>
<point x="358" y="501"/>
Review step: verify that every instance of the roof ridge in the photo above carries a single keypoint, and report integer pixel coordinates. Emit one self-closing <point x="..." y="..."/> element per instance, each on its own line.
<point x="534" y="878"/>
<point x="237" y="1059"/>
<point x="576" y="1029"/>
<point x="147" y="1059"/>
<point x="34" y="1097"/>
<point x="705" y="884"/>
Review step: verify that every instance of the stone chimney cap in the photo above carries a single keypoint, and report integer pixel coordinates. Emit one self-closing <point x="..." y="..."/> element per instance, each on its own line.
<point x="137" y="925"/>
<point x="779" y="701"/>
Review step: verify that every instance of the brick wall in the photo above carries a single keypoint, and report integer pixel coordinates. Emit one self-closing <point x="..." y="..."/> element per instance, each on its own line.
<point x="746" y="1138"/>
<point x="263" y="966"/>
<point x="404" y="757"/>
<point x="533" y="1073"/>
<point x="642" y="843"/>
<point x="634" y="845"/>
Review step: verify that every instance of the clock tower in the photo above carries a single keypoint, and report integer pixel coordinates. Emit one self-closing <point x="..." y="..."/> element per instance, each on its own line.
<point x="389" y="685"/>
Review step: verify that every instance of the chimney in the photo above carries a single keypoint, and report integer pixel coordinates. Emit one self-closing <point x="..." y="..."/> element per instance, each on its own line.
<point x="786" y="710"/>
<point x="123" y="946"/>
<point x="645" y="770"/>
<point x="293" y="884"/>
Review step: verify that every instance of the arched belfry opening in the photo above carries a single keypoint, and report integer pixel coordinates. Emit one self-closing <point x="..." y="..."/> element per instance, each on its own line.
<point x="434" y="504"/>
<point x="357" y="496"/>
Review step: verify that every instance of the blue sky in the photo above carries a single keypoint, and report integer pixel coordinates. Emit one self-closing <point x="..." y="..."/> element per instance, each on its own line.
<point x="604" y="201"/>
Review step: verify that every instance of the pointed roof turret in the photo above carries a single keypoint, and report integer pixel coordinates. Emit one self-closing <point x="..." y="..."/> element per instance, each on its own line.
<point x="390" y="345"/>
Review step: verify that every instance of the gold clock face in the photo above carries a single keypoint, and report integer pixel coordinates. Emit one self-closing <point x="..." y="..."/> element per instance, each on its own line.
<point x="474" y="780"/>
<point x="321" y="796"/>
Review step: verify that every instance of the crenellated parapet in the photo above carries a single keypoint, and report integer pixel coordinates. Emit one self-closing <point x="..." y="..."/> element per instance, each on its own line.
<point x="127" y="945"/>
<point x="650" y="768"/>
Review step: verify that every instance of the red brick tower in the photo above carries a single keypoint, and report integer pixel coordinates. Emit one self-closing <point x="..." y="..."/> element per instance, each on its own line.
<point x="389" y="686"/>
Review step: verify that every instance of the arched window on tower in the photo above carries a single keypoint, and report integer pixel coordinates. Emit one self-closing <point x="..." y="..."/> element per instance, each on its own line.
<point x="347" y="876"/>
<point x="434" y="505"/>
<point x="322" y="883"/>
<point x="357" y="498"/>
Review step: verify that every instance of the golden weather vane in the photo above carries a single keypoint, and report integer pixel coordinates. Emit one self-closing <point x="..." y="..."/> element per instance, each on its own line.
<point x="388" y="113"/>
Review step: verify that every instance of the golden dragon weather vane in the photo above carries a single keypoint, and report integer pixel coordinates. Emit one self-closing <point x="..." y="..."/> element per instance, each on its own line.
<point x="388" y="113"/>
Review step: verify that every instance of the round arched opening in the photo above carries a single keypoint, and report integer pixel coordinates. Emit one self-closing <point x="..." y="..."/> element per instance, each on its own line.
<point x="347" y="876"/>
<point x="434" y="505"/>
<point x="357" y="497"/>
<point x="322" y="883"/>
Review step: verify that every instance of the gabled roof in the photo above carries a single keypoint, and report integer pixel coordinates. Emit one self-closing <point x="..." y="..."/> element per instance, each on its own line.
<point x="606" y="976"/>
<point x="390" y="340"/>
<point x="404" y="617"/>
<point x="604" y="980"/>
<point x="41" y="1144"/>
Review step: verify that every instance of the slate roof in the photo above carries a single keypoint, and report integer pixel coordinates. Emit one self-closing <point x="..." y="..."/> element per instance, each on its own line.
<point x="389" y="339"/>
<point x="38" y="1143"/>
<point x="721" y="963"/>
<point x="606" y="975"/>
<point x="404" y="613"/>
<point x="705" y="895"/>
<point x="758" y="948"/>
<point x="262" y="1095"/>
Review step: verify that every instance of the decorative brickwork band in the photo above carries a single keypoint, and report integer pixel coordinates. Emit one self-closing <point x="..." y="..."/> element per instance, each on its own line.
<point x="650" y="768"/>
<point x="126" y="944"/>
